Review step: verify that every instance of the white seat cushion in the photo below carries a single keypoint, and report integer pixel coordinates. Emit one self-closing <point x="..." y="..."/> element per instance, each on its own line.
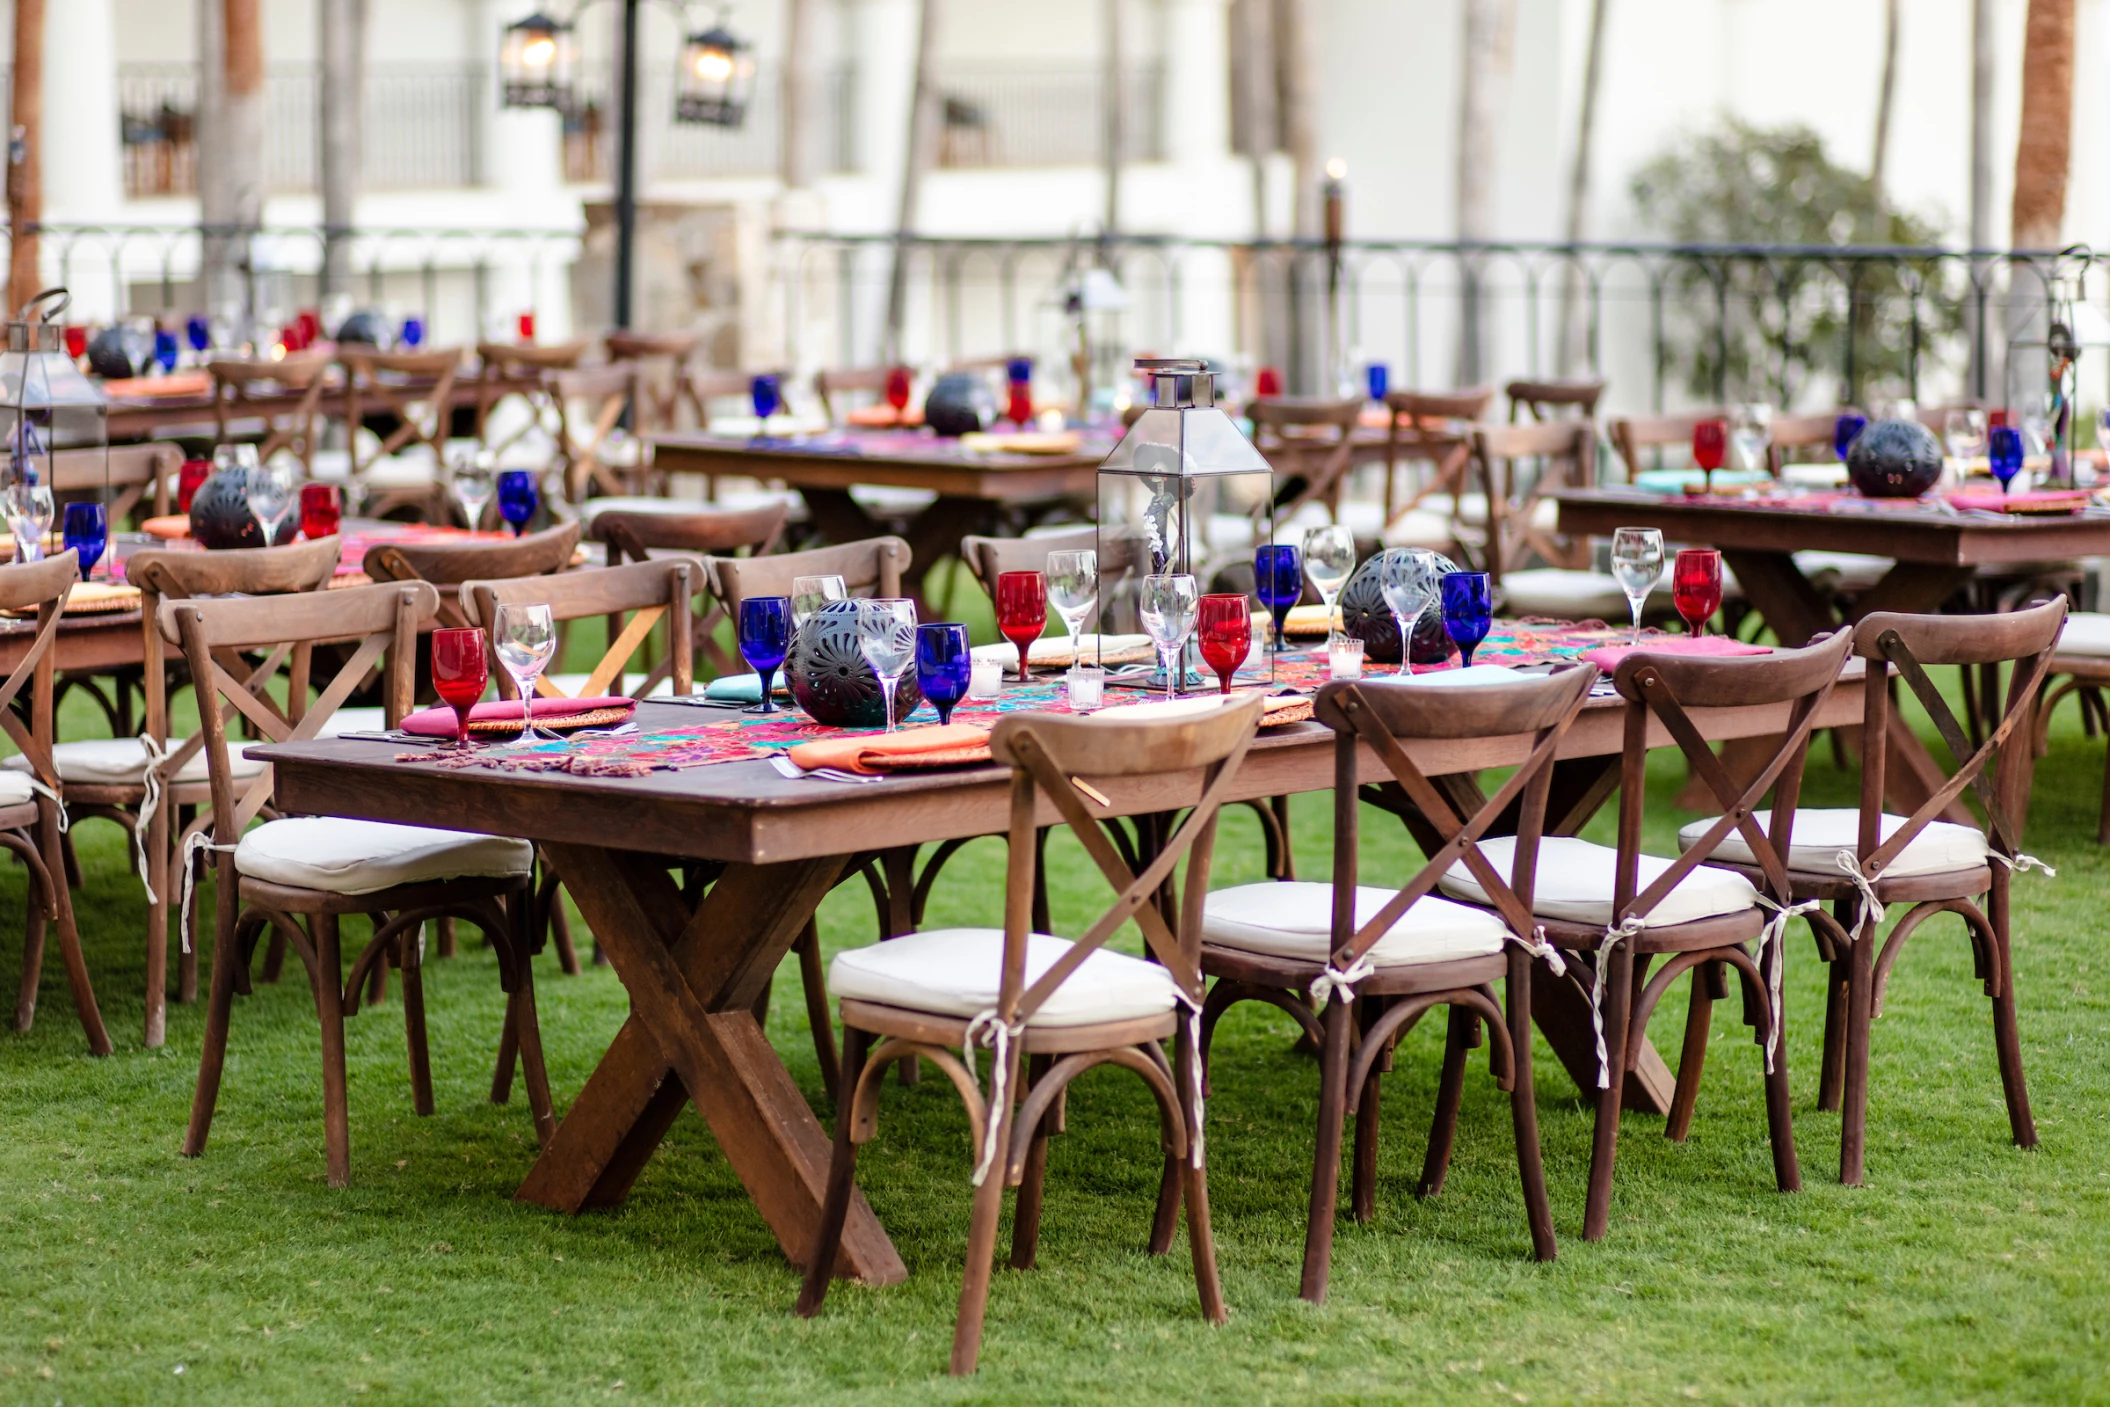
<point x="360" y="857"/>
<point x="1822" y="833"/>
<point x="15" y="788"/>
<point x="1563" y="594"/>
<point x="593" y="508"/>
<point x="2085" y="633"/>
<point x="1472" y="510"/>
<point x="1849" y="571"/>
<point x="889" y="501"/>
<point x="117" y="762"/>
<point x="1419" y="527"/>
<point x="1575" y="877"/>
<point x="571" y="684"/>
<point x="1295" y="920"/>
<point x="353" y="720"/>
<point x="954" y="972"/>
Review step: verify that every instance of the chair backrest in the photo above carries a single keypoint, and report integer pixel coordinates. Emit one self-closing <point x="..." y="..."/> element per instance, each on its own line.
<point x="990" y="557"/>
<point x="1047" y="752"/>
<point x="1550" y="400"/>
<point x="649" y="591"/>
<point x="1378" y="714"/>
<point x="1802" y="432"/>
<point x="1565" y="452"/>
<point x="401" y="382"/>
<point x="830" y="383"/>
<point x="872" y="567"/>
<point x="448" y="563"/>
<point x="242" y="389"/>
<point x="378" y="621"/>
<point x="1309" y="462"/>
<point x="1631" y="434"/>
<point x="662" y="360"/>
<point x="723" y="532"/>
<point x="1411" y="408"/>
<point x="516" y="359"/>
<point x="135" y="472"/>
<point x="39" y="586"/>
<point x="1906" y="645"/>
<point x="1663" y="687"/>
<point x="590" y="401"/>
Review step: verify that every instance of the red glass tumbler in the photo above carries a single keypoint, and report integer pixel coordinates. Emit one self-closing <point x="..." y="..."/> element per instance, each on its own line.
<point x="1710" y="442"/>
<point x="899" y="382"/>
<point x="321" y="510"/>
<point x="1696" y="586"/>
<point x="459" y="673"/>
<point x="1224" y="626"/>
<point x="1021" y="610"/>
<point x="189" y="479"/>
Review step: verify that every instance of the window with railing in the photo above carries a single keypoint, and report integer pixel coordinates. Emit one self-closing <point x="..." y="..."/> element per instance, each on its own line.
<point x="1045" y="115"/>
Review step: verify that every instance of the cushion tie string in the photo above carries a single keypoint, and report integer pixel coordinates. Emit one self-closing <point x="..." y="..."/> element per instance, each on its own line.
<point x="157" y="756"/>
<point x="2021" y="863"/>
<point x="1871" y="916"/>
<point x="1194" y="1046"/>
<point x="194" y="843"/>
<point x="1775" y="930"/>
<point x="999" y="1079"/>
<point x="1538" y="946"/>
<point x="56" y="800"/>
<point x="1334" y="982"/>
<point x="1613" y="934"/>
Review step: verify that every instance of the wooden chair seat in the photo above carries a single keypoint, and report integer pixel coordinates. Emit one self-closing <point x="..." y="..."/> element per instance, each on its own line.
<point x="1935" y="885"/>
<point x="953" y="972"/>
<point x="1261" y="970"/>
<point x="950" y="1032"/>
<point x="336" y="855"/>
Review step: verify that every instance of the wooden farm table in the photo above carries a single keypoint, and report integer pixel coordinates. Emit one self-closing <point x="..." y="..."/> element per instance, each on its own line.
<point x="971" y="487"/>
<point x="695" y="973"/>
<point x="134" y="419"/>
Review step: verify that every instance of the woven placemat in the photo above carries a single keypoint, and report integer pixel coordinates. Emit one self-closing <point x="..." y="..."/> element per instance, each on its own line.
<point x="93" y="598"/>
<point x="1285" y="711"/>
<point x="552" y="723"/>
<point x="933" y="761"/>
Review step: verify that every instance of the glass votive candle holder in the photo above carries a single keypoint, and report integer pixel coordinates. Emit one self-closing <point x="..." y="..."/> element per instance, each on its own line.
<point x="1344" y="657"/>
<point x="1087" y="683"/>
<point x="986" y="680"/>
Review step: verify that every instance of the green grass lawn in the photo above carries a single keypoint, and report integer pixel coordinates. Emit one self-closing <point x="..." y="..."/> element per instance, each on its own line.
<point x="1966" y="1270"/>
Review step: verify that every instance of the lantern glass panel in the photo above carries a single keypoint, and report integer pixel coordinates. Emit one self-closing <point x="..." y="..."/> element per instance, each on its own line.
<point x="54" y="421"/>
<point x="535" y="59"/>
<point x="715" y="80"/>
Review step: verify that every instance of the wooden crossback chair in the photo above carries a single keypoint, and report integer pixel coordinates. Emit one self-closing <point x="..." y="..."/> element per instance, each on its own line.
<point x="172" y="779"/>
<point x="831" y="383"/>
<point x="246" y="390"/>
<point x="1632" y="434"/>
<point x="933" y="994"/>
<point x="1310" y="444"/>
<point x="321" y="868"/>
<point x="1554" y="400"/>
<point x="590" y="404"/>
<point x="1860" y="860"/>
<point x="1620" y="910"/>
<point x="32" y="814"/>
<point x="1519" y="525"/>
<point x="662" y="361"/>
<point x="1796" y="435"/>
<point x="1424" y="426"/>
<point x="142" y="477"/>
<point x="705" y="532"/>
<point x="447" y="564"/>
<point x="510" y="369"/>
<point x="1379" y="960"/>
<point x="416" y="391"/>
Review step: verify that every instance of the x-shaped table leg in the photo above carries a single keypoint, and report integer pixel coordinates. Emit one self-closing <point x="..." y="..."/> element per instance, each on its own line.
<point x="693" y="979"/>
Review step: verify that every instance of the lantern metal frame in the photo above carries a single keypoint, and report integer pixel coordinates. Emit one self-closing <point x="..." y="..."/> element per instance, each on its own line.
<point x="717" y="97"/>
<point x="519" y="85"/>
<point x="48" y="407"/>
<point x="2058" y="355"/>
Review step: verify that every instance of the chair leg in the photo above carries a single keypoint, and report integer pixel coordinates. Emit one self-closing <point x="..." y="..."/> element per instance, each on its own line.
<point x="1201" y="1241"/>
<point x="1523" y="1109"/>
<point x="1166" y="1219"/>
<point x="522" y="1019"/>
<point x="508" y="1057"/>
<point x="1449" y="1093"/>
<point x="445" y="946"/>
<point x="1692" y="1059"/>
<point x="157" y="877"/>
<point x="1287" y="869"/>
<point x="413" y="1017"/>
<point x="227" y="956"/>
<point x="34" y="922"/>
<point x="2102" y="819"/>
<point x="1780" y="1115"/>
<point x="274" y="956"/>
<point x="842" y="1176"/>
<point x="560" y="926"/>
<point x="1604" y="1142"/>
<point x="981" y="1240"/>
<point x="329" y="1005"/>
<point x="814" y="979"/>
<point x="69" y="936"/>
<point x="1831" y="1078"/>
<point x="1326" y="1154"/>
<point x="1860" y="1003"/>
<point x="377" y="980"/>
<point x="2007" y="1037"/>
<point x="1025" y="1210"/>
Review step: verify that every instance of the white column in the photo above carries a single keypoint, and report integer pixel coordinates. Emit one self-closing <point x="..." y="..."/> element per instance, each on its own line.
<point x="883" y="38"/>
<point x="523" y="162"/>
<point x="82" y="160"/>
<point x="1197" y="95"/>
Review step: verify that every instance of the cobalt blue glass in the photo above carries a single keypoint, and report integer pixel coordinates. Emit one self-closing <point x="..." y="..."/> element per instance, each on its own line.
<point x="1278" y="580"/>
<point x="413" y="333"/>
<point x="197" y="330"/>
<point x="944" y="665"/>
<point x="1377" y="379"/>
<point x="165" y="348"/>
<point x="2004" y="452"/>
<point x="1468" y="610"/>
<point x="768" y="396"/>
<point x="87" y="531"/>
<point x="1845" y="430"/>
<point x="765" y="638"/>
<point x="517" y="498"/>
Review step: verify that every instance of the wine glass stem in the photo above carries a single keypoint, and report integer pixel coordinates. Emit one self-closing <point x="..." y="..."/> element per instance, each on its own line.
<point x="1166" y="657"/>
<point x="1634" y="605"/>
<point x="887" y="685"/>
<point x="769" y="687"/>
<point x="1406" y="645"/>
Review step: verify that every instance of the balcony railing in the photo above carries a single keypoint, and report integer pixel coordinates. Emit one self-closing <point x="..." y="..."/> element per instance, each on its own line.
<point x="673" y="150"/>
<point x="1000" y="115"/>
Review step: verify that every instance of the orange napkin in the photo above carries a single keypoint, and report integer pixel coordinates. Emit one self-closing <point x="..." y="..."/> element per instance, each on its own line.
<point x="861" y="753"/>
<point x="146" y="388"/>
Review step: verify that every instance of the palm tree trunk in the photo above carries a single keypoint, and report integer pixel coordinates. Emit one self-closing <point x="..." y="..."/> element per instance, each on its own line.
<point x="343" y="83"/>
<point x="1296" y="36"/>
<point x="1984" y="42"/>
<point x="1572" y="340"/>
<point x="1490" y="27"/>
<point x="1885" y="101"/>
<point x="922" y="151"/>
<point x="25" y="178"/>
<point x="801" y="157"/>
<point x="2042" y="152"/>
<point x="231" y="163"/>
<point x="1113" y="97"/>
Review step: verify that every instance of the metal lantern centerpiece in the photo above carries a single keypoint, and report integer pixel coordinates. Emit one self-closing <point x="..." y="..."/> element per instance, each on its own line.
<point x="535" y="62"/>
<point x="54" y="421"/>
<point x="1183" y="481"/>
<point x="716" y="79"/>
<point x="2043" y="376"/>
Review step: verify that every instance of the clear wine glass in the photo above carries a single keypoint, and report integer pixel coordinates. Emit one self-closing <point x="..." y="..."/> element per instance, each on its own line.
<point x="1407" y="577"/>
<point x="811" y="593"/>
<point x="1168" y="603"/>
<point x="886" y="636"/>
<point x="270" y="489"/>
<point x="30" y="511"/>
<point x="1963" y="435"/>
<point x="1751" y="431"/>
<point x="1073" y="590"/>
<point x="525" y="638"/>
<point x="474" y="481"/>
<point x="1637" y="563"/>
<point x="1329" y="560"/>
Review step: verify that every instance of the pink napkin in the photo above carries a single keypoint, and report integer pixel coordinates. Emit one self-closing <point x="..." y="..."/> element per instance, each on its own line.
<point x="439" y="722"/>
<point x="1994" y="501"/>
<point x="1607" y="657"/>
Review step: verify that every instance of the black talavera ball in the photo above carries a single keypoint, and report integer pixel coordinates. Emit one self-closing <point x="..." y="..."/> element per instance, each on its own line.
<point x="220" y="516"/>
<point x="960" y="404"/>
<point x="829" y="676"/>
<point x="1365" y="616"/>
<point x="1894" y="459"/>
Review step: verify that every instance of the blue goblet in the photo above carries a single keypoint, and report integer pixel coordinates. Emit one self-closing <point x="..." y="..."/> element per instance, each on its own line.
<point x="1468" y="609"/>
<point x="87" y="532"/>
<point x="165" y="349"/>
<point x="765" y="638"/>
<point x="767" y="394"/>
<point x="944" y="665"/>
<point x="413" y="334"/>
<point x="1278" y="580"/>
<point x="1845" y="430"/>
<point x="197" y="330"/>
<point x="517" y="498"/>
<point x="1377" y="379"/>
<point x="2004" y="453"/>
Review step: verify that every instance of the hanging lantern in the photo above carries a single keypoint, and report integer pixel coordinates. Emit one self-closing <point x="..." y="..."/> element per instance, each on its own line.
<point x="717" y="75"/>
<point x="54" y="421"/>
<point x="535" y="63"/>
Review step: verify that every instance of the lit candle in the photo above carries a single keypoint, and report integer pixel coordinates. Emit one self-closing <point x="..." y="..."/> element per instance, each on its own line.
<point x="1344" y="657"/>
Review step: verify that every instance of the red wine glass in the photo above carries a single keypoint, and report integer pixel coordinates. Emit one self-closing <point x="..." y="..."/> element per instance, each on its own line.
<point x="189" y="479"/>
<point x="1224" y="626"/>
<point x="1710" y="442"/>
<point x="1021" y="610"/>
<point x="898" y="384"/>
<point x="459" y="673"/>
<point x="1696" y="586"/>
<point x="321" y="510"/>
